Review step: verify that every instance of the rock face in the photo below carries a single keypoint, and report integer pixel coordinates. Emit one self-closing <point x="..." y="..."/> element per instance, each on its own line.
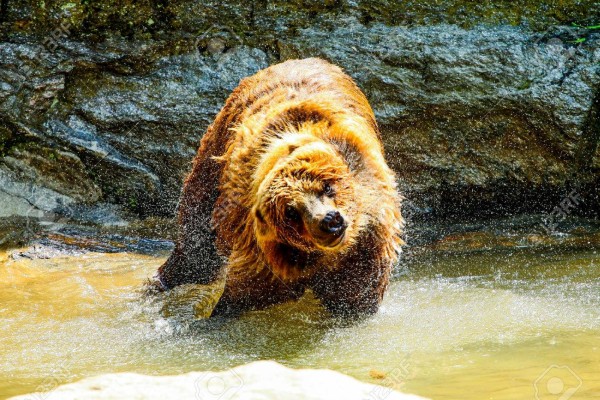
<point x="258" y="380"/>
<point x="482" y="117"/>
<point x="102" y="106"/>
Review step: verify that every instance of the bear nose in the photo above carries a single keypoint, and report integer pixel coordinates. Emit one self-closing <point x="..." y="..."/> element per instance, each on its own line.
<point x="333" y="223"/>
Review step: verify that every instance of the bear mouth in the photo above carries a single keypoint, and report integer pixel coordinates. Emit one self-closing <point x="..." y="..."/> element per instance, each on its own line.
<point x="330" y="242"/>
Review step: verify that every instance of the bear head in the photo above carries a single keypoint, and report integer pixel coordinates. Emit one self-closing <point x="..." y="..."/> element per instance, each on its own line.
<point x="306" y="205"/>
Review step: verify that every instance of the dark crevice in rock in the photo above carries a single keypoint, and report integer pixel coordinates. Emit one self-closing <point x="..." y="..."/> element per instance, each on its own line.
<point x="3" y="10"/>
<point x="586" y="177"/>
<point x="8" y="139"/>
<point x="590" y="139"/>
<point x="14" y="136"/>
<point x="507" y="198"/>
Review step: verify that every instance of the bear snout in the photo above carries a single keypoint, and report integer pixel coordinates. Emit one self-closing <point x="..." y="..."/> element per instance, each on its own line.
<point x="333" y="223"/>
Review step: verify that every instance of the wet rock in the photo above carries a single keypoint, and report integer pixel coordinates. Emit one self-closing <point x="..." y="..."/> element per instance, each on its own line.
<point x="440" y="238"/>
<point x="481" y="118"/>
<point x="262" y="379"/>
<point x="59" y="170"/>
<point x="144" y="19"/>
<point x="476" y="119"/>
<point x="24" y="196"/>
<point x="14" y="231"/>
<point x="161" y="125"/>
<point x="45" y="252"/>
<point x="135" y="134"/>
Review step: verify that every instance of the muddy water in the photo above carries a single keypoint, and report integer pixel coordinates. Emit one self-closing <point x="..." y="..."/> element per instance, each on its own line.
<point x="493" y="324"/>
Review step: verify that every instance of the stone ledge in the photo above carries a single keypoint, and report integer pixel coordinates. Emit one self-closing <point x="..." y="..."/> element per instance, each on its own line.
<point x="257" y="380"/>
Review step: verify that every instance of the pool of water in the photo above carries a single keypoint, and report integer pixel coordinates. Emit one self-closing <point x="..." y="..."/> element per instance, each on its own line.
<point x="496" y="324"/>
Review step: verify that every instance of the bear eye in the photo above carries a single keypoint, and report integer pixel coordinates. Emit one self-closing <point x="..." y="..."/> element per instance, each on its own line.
<point x="327" y="189"/>
<point x="292" y="214"/>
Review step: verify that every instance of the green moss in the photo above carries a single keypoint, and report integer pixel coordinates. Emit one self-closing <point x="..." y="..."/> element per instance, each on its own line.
<point x="132" y="203"/>
<point x="5" y="138"/>
<point x="145" y="18"/>
<point x="536" y="14"/>
<point x="9" y="141"/>
<point x="524" y="85"/>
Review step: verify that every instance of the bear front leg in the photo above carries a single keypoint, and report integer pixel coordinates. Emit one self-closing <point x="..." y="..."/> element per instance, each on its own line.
<point x="356" y="287"/>
<point x="195" y="258"/>
<point x="245" y="291"/>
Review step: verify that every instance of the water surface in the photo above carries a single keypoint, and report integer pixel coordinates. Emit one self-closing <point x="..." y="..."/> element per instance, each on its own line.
<point x="469" y="325"/>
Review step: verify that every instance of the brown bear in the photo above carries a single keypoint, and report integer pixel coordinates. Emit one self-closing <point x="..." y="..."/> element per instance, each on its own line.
<point x="290" y="191"/>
